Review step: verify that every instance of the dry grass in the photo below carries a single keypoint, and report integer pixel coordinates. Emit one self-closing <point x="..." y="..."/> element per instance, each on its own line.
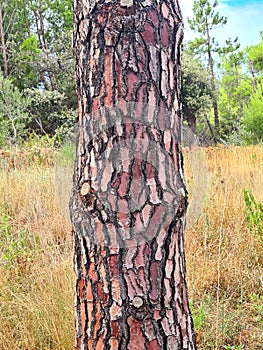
<point x="36" y="275"/>
<point x="224" y="258"/>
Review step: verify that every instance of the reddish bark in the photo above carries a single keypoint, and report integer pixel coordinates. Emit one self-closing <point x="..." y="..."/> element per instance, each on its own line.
<point x="129" y="198"/>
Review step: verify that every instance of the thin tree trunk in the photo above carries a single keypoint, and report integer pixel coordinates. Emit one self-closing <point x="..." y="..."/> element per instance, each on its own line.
<point x="129" y="198"/>
<point x="51" y="75"/>
<point x="41" y="73"/>
<point x="3" y="46"/>
<point x="190" y="118"/>
<point x="210" y="128"/>
<point x="26" y="16"/>
<point x="254" y="81"/>
<point x="44" y="46"/>
<point x="211" y="67"/>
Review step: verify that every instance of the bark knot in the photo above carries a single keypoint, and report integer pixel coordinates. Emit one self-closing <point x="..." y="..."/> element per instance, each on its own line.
<point x="126" y="3"/>
<point x="86" y="194"/>
<point x="85" y="189"/>
<point x="137" y="302"/>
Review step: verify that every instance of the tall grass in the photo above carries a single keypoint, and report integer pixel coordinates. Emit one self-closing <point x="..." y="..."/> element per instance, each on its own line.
<point x="224" y="258"/>
<point x="36" y="280"/>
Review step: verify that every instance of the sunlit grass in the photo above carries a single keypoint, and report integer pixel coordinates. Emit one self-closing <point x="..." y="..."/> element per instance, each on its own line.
<point x="224" y="259"/>
<point x="36" y="287"/>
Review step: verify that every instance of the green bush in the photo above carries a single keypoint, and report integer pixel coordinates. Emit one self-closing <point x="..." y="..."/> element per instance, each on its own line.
<point x="253" y="214"/>
<point x="253" y="118"/>
<point x="13" y="112"/>
<point x="50" y="114"/>
<point x="15" y="250"/>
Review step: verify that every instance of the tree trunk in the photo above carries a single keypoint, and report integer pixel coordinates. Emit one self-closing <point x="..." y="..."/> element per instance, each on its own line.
<point x="3" y="46"/>
<point x="129" y="198"/>
<point x="39" y="20"/>
<point x="211" y="67"/>
<point x="190" y="118"/>
<point x="41" y="70"/>
<point x="254" y="81"/>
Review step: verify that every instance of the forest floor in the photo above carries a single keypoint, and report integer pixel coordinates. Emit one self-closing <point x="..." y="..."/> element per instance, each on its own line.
<point x="224" y="249"/>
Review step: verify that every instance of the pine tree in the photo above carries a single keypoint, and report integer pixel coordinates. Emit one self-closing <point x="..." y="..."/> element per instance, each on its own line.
<point x="129" y="199"/>
<point x="206" y="18"/>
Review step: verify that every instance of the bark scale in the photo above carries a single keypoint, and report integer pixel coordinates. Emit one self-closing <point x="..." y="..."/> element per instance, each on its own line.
<point x="129" y="198"/>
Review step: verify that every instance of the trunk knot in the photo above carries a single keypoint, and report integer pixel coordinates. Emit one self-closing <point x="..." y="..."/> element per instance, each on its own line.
<point x="137" y="302"/>
<point x="85" y="189"/>
<point x="87" y="194"/>
<point x="126" y="3"/>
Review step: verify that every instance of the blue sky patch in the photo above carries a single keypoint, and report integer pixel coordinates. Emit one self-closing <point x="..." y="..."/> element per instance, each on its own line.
<point x="241" y="2"/>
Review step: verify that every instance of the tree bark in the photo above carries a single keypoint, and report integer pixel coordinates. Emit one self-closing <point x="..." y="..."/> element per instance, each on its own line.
<point x="129" y="198"/>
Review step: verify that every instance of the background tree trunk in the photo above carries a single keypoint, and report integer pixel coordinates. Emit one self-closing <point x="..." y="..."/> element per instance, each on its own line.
<point x="213" y="81"/>
<point x="254" y="81"/>
<point x="3" y="46"/>
<point x="48" y="69"/>
<point x="129" y="198"/>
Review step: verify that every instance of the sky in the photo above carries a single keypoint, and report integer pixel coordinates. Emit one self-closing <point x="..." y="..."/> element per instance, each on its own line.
<point x="245" y="20"/>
